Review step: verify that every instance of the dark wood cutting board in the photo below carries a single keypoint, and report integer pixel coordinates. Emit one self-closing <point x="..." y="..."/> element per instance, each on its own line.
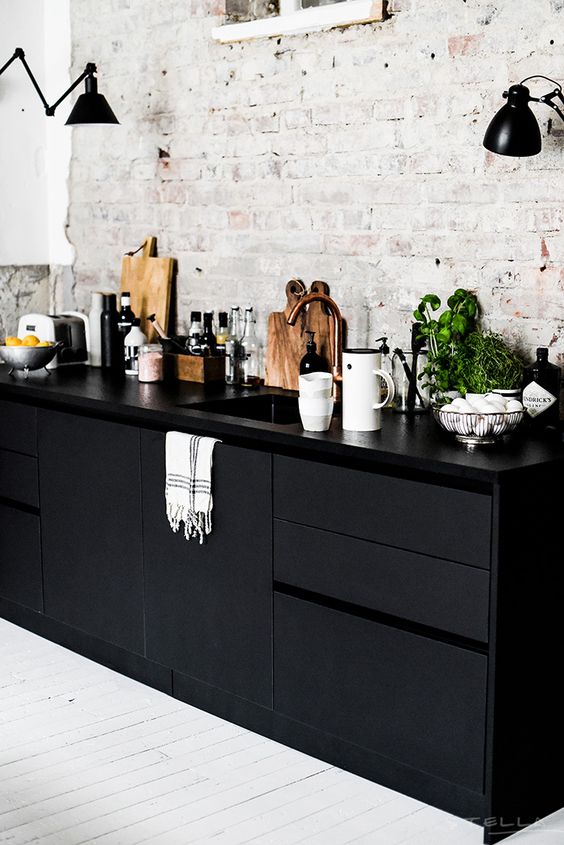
<point x="286" y="344"/>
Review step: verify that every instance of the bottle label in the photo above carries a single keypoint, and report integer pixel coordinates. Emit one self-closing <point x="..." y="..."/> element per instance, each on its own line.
<point x="131" y="360"/>
<point x="537" y="399"/>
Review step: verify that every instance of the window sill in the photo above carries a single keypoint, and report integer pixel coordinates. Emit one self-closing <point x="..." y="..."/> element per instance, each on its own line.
<point x="305" y="20"/>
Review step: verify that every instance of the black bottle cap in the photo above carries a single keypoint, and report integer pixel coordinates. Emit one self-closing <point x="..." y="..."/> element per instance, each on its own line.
<point x="125" y="293"/>
<point x="195" y="316"/>
<point x="223" y="319"/>
<point x="136" y="321"/>
<point x="542" y="353"/>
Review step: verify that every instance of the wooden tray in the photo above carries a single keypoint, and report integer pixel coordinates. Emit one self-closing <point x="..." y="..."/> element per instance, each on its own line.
<point x="197" y="368"/>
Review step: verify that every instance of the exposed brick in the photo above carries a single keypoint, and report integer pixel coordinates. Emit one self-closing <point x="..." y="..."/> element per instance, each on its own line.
<point x="353" y="155"/>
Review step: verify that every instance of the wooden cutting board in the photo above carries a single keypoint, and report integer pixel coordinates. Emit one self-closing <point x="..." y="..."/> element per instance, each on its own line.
<point x="286" y="345"/>
<point x="149" y="280"/>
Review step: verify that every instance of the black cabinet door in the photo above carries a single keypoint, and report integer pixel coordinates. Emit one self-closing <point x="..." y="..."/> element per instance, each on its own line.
<point x="209" y="607"/>
<point x="415" y="700"/>
<point x="20" y="557"/>
<point x="90" y="500"/>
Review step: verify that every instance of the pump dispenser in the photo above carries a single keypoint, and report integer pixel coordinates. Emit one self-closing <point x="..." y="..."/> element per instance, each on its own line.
<point x="312" y="362"/>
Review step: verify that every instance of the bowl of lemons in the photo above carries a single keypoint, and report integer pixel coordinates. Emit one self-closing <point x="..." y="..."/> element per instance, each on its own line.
<point x="27" y="353"/>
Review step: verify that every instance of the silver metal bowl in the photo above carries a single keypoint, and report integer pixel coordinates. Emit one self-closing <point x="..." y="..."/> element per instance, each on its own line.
<point x="477" y="429"/>
<point x="28" y="358"/>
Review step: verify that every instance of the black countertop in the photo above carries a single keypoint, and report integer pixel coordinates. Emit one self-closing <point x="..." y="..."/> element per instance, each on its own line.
<point x="410" y="444"/>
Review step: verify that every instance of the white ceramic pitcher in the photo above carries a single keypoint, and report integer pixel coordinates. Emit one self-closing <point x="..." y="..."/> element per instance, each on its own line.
<point x="361" y="389"/>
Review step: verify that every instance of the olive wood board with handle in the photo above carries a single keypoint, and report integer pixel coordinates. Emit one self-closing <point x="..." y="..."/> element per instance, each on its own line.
<point x="148" y="278"/>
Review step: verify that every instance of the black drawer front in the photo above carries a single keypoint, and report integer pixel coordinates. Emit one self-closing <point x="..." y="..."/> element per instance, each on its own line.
<point x="440" y="521"/>
<point x="417" y="701"/>
<point x="18" y="478"/>
<point x="18" y="427"/>
<point x="426" y="590"/>
<point x="20" y="558"/>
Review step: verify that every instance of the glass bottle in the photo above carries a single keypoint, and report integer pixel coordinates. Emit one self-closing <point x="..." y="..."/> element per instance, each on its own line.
<point x="195" y="331"/>
<point x="541" y="391"/>
<point x="126" y="315"/>
<point x="222" y="333"/>
<point x="233" y="348"/>
<point x="250" y="351"/>
<point x="208" y="337"/>
<point x="133" y="341"/>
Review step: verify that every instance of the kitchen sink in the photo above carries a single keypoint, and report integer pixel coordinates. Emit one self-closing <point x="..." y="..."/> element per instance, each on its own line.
<point x="270" y="408"/>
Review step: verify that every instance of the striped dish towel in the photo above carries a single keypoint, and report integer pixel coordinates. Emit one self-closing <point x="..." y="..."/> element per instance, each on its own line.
<point x="188" y="490"/>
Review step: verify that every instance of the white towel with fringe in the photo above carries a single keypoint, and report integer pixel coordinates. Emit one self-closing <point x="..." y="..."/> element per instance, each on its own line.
<point x="188" y="489"/>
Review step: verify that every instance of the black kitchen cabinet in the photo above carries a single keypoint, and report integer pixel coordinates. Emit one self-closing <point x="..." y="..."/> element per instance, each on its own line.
<point x="20" y="557"/>
<point x="91" y="526"/>
<point x="391" y="605"/>
<point x="410" y="698"/>
<point x="208" y="608"/>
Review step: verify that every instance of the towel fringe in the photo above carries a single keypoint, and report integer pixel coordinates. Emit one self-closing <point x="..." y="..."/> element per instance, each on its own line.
<point x="196" y="524"/>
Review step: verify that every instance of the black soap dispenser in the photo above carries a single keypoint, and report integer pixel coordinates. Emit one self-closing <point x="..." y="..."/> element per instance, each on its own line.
<point x="312" y="362"/>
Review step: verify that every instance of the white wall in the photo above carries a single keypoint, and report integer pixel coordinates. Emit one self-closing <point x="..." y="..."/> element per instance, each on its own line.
<point x="34" y="149"/>
<point x="59" y="136"/>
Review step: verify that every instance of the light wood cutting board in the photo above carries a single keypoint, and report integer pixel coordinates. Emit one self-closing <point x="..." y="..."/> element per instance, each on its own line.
<point x="286" y="345"/>
<point x="149" y="280"/>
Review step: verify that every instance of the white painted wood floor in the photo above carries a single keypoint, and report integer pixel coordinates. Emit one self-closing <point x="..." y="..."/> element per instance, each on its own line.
<point x="88" y="756"/>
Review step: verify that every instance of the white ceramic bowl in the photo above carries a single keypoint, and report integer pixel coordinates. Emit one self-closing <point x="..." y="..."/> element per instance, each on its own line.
<point x="316" y="385"/>
<point x="316" y="423"/>
<point x="315" y="413"/>
<point x="315" y="407"/>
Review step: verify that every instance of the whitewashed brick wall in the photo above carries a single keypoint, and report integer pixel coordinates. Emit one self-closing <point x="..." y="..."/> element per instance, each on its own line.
<point x="352" y="156"/>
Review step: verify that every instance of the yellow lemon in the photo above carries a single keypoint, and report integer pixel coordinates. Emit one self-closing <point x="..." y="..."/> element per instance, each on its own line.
<point x="13" y="341"/>
<point x="30" y="340"/>
<point x="43" y="343"/>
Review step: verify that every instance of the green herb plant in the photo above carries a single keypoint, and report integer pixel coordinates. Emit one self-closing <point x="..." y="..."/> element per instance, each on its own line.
<point x="445" y="336"/>
<point x="487" y="363"/>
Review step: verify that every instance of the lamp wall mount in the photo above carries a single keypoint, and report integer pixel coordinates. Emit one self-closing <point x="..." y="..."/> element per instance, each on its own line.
<point x="91" y="107"/>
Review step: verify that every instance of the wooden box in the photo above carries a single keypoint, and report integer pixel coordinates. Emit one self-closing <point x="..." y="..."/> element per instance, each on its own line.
<point x="197" y="368"/>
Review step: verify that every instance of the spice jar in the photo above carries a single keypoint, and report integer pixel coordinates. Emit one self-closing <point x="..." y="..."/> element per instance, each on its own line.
<point x="151" y="362"/>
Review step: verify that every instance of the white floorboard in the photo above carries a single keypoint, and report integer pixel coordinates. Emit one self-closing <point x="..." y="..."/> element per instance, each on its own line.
<point x="88" y="756"/>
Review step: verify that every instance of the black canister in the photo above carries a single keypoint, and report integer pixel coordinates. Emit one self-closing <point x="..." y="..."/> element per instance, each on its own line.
<point x="112" y="348"/>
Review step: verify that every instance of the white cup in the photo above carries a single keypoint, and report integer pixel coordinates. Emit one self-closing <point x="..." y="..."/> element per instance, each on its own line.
<point x="318" y="385"/>
<point x="361" y="390"/>
<point x="315" y="413"/>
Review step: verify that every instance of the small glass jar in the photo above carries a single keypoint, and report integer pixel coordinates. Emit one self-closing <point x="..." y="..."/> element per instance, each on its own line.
<point x="151" y="362"/>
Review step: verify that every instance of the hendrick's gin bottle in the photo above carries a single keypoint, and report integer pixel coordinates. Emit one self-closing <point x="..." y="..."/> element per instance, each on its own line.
<point x="541" y="391"/>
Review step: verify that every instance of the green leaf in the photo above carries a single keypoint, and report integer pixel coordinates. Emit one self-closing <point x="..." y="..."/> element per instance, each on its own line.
<point x="433" y="300"/>
<point x="444" y="335"/>
<point x="445" y="318"/>
<point x="459" y="323"/>
<point x="418" y="316"/>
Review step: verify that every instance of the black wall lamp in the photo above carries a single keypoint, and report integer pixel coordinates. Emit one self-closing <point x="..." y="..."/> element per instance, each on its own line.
<point x="514" y="130"/>
<point x="91" y="107"/>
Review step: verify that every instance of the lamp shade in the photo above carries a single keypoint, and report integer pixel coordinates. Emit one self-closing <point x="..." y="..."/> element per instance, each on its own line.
<point x="91" y="107"/>
<point x="514" y="130"/>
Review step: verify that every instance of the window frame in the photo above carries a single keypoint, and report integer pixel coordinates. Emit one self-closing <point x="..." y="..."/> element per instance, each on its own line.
<point x="292" y="21"/>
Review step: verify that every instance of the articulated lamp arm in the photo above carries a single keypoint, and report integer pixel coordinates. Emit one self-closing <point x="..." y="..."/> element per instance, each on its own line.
<point x="548" y="99"/>
<point x="90" y="70"/>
